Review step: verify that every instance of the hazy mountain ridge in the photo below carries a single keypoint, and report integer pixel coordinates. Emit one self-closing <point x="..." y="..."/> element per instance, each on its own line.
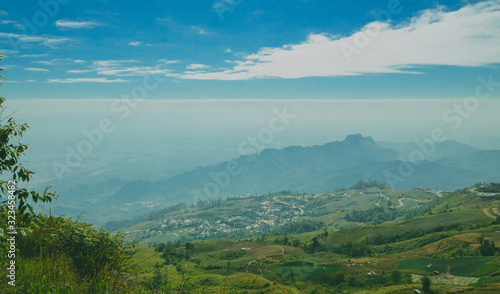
<point x="310" y="169"/>
<point x="443" y="149"/>
<point x="332" y="166"/>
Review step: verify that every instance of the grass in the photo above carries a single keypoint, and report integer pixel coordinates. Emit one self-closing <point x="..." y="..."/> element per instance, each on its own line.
<point x="486" y="269"/>
<point x="308" y="270"/>
<point x="465" y="266"/>
<point x="265" y="266"/>
<point x="466" y="216"/>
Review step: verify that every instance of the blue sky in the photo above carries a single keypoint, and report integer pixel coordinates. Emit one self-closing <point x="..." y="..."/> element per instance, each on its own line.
<point x="253" y="49"/>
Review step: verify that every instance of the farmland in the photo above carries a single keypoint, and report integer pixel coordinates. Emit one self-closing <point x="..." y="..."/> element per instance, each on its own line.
<point x="442" y="244"/>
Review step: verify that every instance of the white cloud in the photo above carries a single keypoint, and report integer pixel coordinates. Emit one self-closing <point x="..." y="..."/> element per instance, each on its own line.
<point x="79" y="61"/>
<point x="197" y="66"/>
<point x="182" y="29"/>
<point x="228" y="50"/>
<point x="16" y="24"/>
<point x="55" y="61"/>
<point x="132" y="71"/>
<point x="198" y="30"/>
<point x="109" y="63"/>
<point x="56" y="41"/>
<point x="121" y="68"/>
<point x="71" y="24"/>
<point x="86" y="80"/>
<point x="3" y="13"/>
<point x="7" y="51"/>
<point x="76" y="71"/>
<point x="34" y="55"/>
<point x="31" y="81"/>
<point x="35" y="69"/>
<point x="45" y="62"/>
<point x="48" y="41"/>
<point x="134" y="43"/>
<point x="167" y="61"/>
<point x="467" y="37"/>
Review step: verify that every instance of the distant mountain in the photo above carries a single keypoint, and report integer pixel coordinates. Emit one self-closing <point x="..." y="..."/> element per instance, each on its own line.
<point x="484" y="162"/>
<point x="442" y="149"/>
<point x="310" y="169"/>
<point x="322" y="168"/>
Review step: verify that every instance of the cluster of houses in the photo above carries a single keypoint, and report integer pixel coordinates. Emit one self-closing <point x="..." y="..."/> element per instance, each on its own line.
<point x="278" y="210"/>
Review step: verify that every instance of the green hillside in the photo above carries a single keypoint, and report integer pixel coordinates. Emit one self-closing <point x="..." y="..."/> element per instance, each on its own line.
<point x="452" y="245"/>
<point x="356" y="240"/>
<point x="279" y="213"/>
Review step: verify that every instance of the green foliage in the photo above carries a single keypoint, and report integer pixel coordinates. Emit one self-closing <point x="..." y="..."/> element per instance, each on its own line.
<point x="488" y="248"/>
<point x="461" y="266"/>
<point x="230" y="255"/>
<point x="426" y="285"/>
<point x="47" y="273"/>
<point x="293" y="271"/>
<point x="380" y="239"/>
<point x="353" y="249"/>
<point x="299" y="227"/>
<point x="363" y="184"/>
<point x="396" y="277"/>
<point x="172" y="253"/>
<point x="95" y="254"/>
<point x="380" y="215"/>
<point x="486" y="269"/>
<point x="157" y="281"/>
<point x="61" y="255"/>
<point x="16" y="211"/>
<point x="489" y="187"/>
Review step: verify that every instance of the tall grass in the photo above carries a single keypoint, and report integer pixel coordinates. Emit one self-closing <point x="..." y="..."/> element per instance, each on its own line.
<point x="61" y="255"/>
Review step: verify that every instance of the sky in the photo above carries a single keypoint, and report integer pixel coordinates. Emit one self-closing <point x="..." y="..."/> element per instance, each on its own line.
<point x="242" y="49"/>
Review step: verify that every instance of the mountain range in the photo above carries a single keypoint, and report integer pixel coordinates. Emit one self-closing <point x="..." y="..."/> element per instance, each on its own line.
<point x="448" y="165"/>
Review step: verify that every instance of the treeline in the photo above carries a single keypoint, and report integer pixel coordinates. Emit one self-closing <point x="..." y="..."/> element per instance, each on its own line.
<point x="365" y="184"/>
<point x="298" y="227"/>
<point x="114" y="225"/>
<point x="174" y="252"/>
<point x="489" y="187"/>
<point x="410" y="234"/>
<point x="487" y="247"/>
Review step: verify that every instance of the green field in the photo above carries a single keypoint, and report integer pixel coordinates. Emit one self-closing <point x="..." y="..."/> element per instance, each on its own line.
<point x="466" y="266"/>
<point x="308" y="270"/>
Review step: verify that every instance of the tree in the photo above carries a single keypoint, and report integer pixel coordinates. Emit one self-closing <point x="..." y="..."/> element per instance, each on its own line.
<point x="396" y="277"/>
<point x="426" y="285"/>
<point x="487" y="248"/>
<point x="337" y="278"/>
<point x="315" y="245"/>
<point x="15" y="207"/>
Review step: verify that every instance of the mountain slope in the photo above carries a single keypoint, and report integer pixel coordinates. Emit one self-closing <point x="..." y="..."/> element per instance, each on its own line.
<point x="295" y="168"/>
<point x="441" y="149"/>
<point x="321" y="168"/>
<point x="309" y="169"/>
